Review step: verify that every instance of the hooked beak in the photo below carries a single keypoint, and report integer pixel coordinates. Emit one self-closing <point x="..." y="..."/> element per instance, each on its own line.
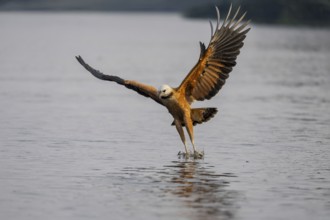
<point x="166" y="97"/>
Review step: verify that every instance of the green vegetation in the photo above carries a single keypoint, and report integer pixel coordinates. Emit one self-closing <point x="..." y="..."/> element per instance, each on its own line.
<point x="288" y="12"/>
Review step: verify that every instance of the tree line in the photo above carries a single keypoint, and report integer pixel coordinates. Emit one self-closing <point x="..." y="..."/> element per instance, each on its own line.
<point x="288" y="12"/>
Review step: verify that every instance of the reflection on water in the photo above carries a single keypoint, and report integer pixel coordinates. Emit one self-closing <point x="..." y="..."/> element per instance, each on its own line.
<point x="203" y="192"/>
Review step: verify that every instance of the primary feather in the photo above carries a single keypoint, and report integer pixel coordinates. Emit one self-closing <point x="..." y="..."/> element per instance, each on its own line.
<point x="216" y="62"/>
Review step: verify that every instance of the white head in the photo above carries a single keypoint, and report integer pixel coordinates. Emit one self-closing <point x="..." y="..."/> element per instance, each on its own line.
<point x="165" y="92"/>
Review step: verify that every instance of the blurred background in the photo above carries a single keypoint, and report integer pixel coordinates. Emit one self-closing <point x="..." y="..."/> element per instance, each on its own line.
<point x="293" y="12"/>
<point x="75" y="147"/>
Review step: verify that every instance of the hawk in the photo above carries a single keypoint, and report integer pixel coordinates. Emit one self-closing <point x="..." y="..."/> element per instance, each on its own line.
<point x="203" y="82"/>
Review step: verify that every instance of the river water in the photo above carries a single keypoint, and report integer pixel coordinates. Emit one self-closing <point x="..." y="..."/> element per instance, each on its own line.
<point x="74" y="147"/>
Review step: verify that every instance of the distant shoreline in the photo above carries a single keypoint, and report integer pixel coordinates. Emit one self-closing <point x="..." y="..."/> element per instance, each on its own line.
<point x="312" y="13"/>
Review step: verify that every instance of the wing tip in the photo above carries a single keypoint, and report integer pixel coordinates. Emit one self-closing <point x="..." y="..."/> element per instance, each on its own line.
<point x="230" y="21"/>
<point x="211" y="25"/>
<point x="203" y="49"/>
<point x="80" y="59"/>
<point x="218" y="17"/>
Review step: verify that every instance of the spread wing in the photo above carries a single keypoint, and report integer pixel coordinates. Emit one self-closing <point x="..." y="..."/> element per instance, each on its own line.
<point x="216" y="62"/>
<point x="142" y="89"/>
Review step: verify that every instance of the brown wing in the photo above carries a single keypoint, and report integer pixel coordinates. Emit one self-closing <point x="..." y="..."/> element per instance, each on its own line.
<point x="145" y="90"/>
<point x="215" y="63"/>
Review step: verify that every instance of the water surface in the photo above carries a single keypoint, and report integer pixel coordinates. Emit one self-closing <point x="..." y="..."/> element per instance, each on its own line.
<point x="74" y="147"/>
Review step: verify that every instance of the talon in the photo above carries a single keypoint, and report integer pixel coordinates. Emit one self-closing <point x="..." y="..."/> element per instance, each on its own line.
<point x="183" y="154"/>
<point x="198" y="155"/>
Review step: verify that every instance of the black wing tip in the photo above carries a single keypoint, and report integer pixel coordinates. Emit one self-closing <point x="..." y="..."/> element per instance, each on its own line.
<point x="99" y="74"/>
<point x="90" y="69"/>
<point x="203" y="49"/>
<point x="80" y="60"/>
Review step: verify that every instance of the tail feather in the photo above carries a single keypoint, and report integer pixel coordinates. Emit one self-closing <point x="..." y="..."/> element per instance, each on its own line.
<point x="200" y="115"/>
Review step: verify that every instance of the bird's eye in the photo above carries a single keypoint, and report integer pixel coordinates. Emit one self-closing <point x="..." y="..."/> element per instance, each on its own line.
<point x="164" y="90"/>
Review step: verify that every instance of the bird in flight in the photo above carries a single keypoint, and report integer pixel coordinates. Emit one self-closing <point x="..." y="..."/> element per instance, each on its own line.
<point x="203" y="82"/>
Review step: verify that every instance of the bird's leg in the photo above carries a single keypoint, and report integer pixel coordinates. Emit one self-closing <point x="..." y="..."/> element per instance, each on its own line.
<point x="190" y="130"/>
<point x="180" y="131"/>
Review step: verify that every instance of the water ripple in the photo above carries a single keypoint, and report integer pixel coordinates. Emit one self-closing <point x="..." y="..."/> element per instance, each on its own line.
<point x="203" y="192"/>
